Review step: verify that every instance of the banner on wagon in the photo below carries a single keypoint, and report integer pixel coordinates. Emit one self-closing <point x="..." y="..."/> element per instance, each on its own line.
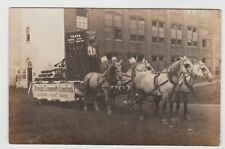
<point x="61" y="92"/>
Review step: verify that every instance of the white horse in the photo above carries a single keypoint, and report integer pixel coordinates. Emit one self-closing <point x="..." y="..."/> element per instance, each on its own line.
<point x="185" y="87"/>
<point x="135" y="69"/>
<point x="150" y="84"/>
<point x="96" y="83"/>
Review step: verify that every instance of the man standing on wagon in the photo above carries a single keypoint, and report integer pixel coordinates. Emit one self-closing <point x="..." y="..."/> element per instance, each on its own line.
<point x="93" y="61"/>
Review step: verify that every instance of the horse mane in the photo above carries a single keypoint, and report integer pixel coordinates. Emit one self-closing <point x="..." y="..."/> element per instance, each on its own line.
<point x="111" y="74"/>
<point x="173" y="70"/>
<point x="175" y="67"/>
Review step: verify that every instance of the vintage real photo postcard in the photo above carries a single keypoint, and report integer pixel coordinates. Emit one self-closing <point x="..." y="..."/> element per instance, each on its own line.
<point x="114" y="76"/>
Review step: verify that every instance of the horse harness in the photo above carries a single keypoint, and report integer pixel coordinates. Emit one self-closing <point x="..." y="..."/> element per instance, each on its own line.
<point x="157" y="85"/>
<point x="186" y="82"/>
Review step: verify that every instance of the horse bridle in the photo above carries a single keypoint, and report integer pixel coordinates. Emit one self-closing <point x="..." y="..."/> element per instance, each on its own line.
<point x="203" y="69"/>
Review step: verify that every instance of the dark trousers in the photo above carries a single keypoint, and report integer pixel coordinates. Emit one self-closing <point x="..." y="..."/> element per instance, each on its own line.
<point x="93" y="64"/>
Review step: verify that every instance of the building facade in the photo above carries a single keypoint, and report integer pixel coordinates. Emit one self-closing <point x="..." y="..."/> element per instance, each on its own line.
<point x="161" y="34"/>
<point x="36" y="37"/>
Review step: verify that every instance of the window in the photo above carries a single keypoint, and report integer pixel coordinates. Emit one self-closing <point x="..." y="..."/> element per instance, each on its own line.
<point x="176" y="34"/>
<point x="161" y="58"/>
<point x="205" y="43"/>
<point x="154" y="58"/>
<point x="108" y="34"/>
<point x="157" y="58"/>
<point x="175" y="58"/>
<point x="195" y="37"/>
<point x="192" y="36"/>
<point x="137" y="29"/>
<point x="108" y="20"/>
<point x="28" y="34"/>
<point x="113" y="26"/>
<point x="207" y="61"/>
<point x="158" y="32"/>
<point x="81" y="19"/>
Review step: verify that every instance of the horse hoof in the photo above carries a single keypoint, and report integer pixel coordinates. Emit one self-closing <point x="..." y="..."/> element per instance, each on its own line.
<point x="164" y="121"/>
<point x="141" y="117"/>
<point x="172" y="126"/>
<point x="177" y="118"/>
<point x="173" y="120"/>
<point x="131" y="109"/>
<point x="187" y="117"/>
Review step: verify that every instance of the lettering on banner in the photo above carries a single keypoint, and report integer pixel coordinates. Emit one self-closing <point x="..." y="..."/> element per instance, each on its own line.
<point x="62" y="92"/>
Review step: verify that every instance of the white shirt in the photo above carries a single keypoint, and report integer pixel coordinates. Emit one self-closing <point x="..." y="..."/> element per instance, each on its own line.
<point x="91" y="51"/>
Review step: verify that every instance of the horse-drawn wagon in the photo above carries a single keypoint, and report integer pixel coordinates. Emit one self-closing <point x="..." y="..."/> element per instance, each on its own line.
<point x="65" y="82"/>
<point x="71" y="80"/>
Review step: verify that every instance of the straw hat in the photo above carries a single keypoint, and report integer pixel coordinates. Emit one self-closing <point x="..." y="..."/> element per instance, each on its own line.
<point x="114" y="59"/>
<point x="104" y="59"/>
<point x="132" y="60"/>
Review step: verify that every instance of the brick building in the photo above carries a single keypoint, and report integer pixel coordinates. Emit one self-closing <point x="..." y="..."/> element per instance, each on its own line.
<point x="161" y="34"/>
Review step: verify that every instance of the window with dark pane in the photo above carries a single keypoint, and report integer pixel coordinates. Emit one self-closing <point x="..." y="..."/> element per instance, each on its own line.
<point x="108" y="34"/>
<point x="161" y="58"/>
<point x="113" y="26"/>
<point x="172" y="59"/>
<point x="161" y="40"/>
<point x="133" y="29"/>
<point x="158" y="32"/>
<point x="154" y="58"/>
<point x="204" y="44"/>
<point x="118" y="34"/>
<point x="176" y="34"/>
<point x="179" y="42"/>
<point x="173" y="41"/>
<point x="28" y="34"/>
<point x="137" y="29"/>
<point x="154" y="39"/>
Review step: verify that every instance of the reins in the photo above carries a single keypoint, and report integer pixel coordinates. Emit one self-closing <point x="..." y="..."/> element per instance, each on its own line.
<point x="185" y="81"/>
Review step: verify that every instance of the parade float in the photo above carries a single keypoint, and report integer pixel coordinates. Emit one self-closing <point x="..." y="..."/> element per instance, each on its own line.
<point x="64" y="81"/>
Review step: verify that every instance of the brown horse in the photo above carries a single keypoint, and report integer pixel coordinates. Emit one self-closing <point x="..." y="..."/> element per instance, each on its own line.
<point x="101" y="83"/>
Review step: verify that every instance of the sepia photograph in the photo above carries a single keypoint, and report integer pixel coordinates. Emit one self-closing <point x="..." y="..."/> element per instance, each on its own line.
<point x="114" y="76"/>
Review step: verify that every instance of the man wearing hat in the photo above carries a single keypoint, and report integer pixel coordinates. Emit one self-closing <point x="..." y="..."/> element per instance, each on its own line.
<point x="133" y="64"/>
<point x="135" y="61"/>
<point x="105" y="64"/>
<point x="93" y="62"/>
